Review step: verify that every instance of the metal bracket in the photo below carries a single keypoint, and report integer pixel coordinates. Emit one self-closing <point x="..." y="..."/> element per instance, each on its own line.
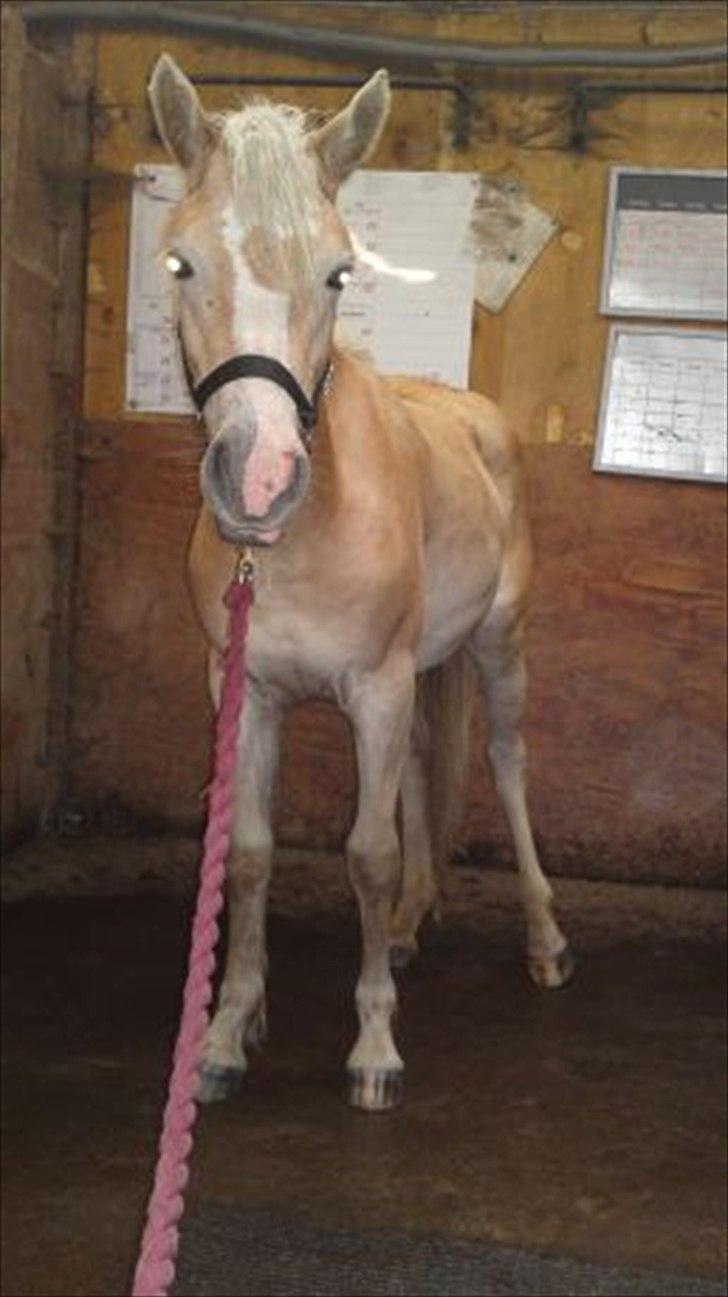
<point x="599" y="94"/>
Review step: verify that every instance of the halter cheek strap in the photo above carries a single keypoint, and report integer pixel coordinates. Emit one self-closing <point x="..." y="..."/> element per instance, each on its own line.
<point x="255" y="366"/>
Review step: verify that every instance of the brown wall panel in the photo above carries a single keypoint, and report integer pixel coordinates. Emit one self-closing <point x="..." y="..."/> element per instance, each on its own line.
<point x="626" y="652"/>
<point x="43" y="126"/>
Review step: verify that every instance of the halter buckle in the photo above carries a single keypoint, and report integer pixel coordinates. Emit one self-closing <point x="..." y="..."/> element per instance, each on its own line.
<point x="328" y="379"/>
<point x="245" y="567"/>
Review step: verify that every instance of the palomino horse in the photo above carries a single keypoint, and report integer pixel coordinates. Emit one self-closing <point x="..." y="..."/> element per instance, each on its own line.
<point x="392" y="549"/>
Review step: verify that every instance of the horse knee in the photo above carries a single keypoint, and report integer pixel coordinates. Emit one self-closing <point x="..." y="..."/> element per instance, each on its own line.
<point x="252" y="835"/>
<point x="371" y="843"/>
<point x="248" y="869"/>
<point x="507" y="754"/>
<point x="373" y="858"/>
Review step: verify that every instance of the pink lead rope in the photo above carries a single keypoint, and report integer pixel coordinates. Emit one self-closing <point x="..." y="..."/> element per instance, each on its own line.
<point x="156" y="1265"/>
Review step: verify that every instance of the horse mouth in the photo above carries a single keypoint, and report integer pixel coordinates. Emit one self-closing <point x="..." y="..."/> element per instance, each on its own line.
<point x="238" y="528"/>
<point x="241" y="531"/>
<point x="244" y="535"/>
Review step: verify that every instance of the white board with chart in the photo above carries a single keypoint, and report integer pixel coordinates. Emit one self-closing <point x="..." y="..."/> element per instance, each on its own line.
<point x="663" y="408"/>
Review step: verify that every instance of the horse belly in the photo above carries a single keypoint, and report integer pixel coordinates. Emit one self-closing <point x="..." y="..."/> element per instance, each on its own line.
<point x="458" y="596"/>
<point x="466" y="530"/>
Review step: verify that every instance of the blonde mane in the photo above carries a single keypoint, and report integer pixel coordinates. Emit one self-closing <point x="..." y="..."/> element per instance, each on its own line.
<point x="275" y="181"/>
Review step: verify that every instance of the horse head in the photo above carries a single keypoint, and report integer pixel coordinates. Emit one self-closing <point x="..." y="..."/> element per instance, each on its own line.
<point x="259" y="254"/>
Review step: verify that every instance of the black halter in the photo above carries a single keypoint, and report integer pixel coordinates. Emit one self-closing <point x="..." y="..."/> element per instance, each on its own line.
<point x="255" y="366"/>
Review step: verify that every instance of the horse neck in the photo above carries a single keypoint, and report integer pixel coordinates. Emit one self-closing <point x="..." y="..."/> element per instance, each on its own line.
<point x="353" y="422"/>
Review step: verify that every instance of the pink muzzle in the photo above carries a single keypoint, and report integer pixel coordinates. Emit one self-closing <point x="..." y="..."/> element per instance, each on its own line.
<point x="267" y="474"/>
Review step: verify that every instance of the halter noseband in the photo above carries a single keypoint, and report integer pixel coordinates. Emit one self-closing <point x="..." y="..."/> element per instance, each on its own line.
<point x="256" y="366"/>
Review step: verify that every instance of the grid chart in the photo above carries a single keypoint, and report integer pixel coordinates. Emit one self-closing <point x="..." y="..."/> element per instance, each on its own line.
<point x="666" y="245"/>
<point x="663" y="410"/>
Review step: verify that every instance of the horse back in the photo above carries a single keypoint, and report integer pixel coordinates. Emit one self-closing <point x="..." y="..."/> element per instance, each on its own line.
<point x="467" y="419"/>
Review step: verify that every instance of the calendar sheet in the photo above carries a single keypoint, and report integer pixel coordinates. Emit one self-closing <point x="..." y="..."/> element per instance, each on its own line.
<point x="154" y="379"/>
<point x="409" y="305"/>
<point x="663" y="410"/>
<point x="666" y="244"/>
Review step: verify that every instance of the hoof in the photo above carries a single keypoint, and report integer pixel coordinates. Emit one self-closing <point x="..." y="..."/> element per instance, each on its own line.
<point x="374" y="1091"/>
<point x="401" y="953"/>
<point x="218" y="1083"/>
<point x="552" y="973"/>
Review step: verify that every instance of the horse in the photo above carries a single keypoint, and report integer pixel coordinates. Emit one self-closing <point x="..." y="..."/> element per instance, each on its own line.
<point x="388" y="518"/>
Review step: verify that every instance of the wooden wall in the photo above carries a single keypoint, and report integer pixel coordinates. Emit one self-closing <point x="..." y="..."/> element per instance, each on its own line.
<point x="628" y="630"/>
<point x="44" y="133"/>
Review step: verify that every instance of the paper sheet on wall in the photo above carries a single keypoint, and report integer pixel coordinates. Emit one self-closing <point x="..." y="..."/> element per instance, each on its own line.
<point x="154" y="378"/>
<point x="508" y="233"/>
<point x="664" y="404"/>
<point x="413" y="314"/>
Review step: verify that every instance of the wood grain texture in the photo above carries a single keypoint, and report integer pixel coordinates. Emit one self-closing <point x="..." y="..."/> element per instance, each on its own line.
<point x="627" y="636"/>
<point x="42" y="235"/>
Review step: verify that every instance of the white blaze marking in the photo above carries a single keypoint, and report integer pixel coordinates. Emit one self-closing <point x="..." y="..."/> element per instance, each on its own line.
<point x="260" y="315"/>
<point x="260" y="325"/>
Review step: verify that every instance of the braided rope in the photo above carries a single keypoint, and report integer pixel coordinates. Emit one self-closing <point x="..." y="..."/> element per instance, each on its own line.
<point x="156" y="1265"/>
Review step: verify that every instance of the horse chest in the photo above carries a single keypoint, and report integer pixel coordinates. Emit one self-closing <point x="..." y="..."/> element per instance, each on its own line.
<point x="301" y="654"/>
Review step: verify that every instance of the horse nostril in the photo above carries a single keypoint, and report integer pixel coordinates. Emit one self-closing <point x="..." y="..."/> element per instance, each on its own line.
<point x="220" y="463"/>
<point x="221" y="469"/>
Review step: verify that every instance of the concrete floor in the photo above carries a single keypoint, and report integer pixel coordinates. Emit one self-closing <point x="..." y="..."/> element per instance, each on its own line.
<point x="588" y="1121"/>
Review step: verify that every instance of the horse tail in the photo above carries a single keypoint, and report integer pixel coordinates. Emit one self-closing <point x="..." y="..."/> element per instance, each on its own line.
<point x="445" y="697"/>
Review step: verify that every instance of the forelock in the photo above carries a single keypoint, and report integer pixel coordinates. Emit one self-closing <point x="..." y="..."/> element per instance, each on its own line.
<point x="275" y="182"/>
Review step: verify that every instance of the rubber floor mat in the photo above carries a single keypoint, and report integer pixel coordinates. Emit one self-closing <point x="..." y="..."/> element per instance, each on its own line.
<point x="230" y="1252"/>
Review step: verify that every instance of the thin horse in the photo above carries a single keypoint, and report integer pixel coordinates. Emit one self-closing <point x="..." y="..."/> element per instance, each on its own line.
<point x="392" y="550"/>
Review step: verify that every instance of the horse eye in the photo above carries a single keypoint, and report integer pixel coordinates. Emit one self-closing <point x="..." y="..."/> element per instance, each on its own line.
<point x="339" y="278"/>
<point x="177" y="266"/>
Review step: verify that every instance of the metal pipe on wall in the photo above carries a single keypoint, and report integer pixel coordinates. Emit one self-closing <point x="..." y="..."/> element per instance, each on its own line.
<point x="357" y="45"/>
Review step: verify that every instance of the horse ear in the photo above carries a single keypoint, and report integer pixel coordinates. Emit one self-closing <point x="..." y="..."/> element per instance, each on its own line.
<point x="181" y="121"/>
<point x="344" y="142"/>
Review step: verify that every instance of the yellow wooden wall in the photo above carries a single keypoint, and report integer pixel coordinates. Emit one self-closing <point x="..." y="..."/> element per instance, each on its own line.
<point x="629" y="607"/>
<point x="543" y="356"/>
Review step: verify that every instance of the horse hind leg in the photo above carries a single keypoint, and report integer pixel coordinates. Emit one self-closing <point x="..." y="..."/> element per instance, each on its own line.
<point x="418" y="891"/>
<point x="497" y="647"/>
<point x="240" y="1018"/>
<point x="433" y="784"/>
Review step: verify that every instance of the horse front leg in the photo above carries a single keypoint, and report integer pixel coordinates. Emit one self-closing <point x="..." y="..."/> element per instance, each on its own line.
<point x="380" y="710"/>
<point x="240" y="1018"/>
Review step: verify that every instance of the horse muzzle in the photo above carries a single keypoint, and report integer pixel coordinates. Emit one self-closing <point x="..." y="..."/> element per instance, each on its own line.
<point x="253" y="484"/>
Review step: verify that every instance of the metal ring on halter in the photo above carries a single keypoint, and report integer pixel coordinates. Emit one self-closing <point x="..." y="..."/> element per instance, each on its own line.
<point x="245" y="566"/>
